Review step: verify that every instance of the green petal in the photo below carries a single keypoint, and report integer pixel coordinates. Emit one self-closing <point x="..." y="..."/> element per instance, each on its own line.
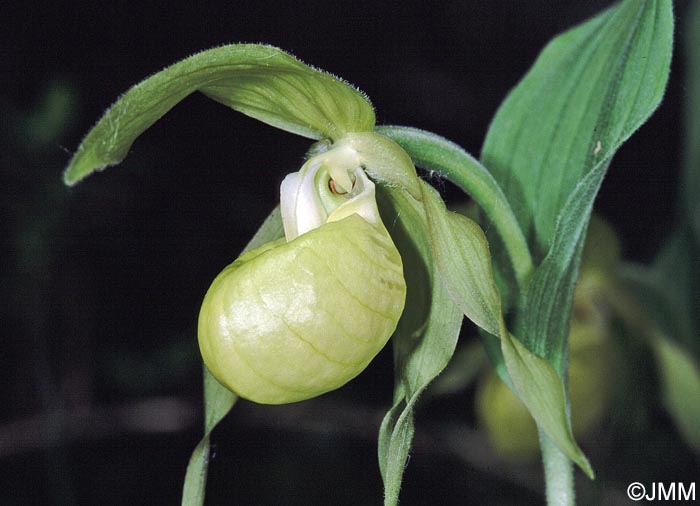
<point x="260" y="81"/>
<point x="425" y="338"/>
<point x="464" y="262"/>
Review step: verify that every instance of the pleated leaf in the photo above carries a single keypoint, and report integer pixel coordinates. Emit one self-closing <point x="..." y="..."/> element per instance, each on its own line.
<point x="552" y="140"/>
<point x="588" y="91"/>
<point x="260" y="81"/>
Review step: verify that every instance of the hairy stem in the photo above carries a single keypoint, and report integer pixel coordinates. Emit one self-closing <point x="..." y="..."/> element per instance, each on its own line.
<point x="558" y="474"/>
<point x="447" y="159"/>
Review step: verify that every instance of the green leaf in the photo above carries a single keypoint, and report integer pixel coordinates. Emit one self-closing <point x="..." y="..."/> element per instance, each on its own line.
<point x="588" y="91"/>
<point x="260" y="81"/>
<point x="680" y="384"/>
<point x="546" y="307"/>
<point x="464" y="263"/>
<point x="425" y="338"/>
<point x="218" y="400"/>
<point x="542" y="390"/>
<point x="551" y="142"/>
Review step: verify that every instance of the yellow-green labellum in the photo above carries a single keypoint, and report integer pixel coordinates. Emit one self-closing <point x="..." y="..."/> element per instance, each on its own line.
<point x="304" y="315"/>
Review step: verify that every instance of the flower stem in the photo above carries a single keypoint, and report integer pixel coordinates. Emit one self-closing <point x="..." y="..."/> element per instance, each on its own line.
<point x="435" y="153"/>
<point x="558" y="474"/>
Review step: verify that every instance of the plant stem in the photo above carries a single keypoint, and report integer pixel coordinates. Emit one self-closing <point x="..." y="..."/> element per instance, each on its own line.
<point x="218" y="401"/>
<point x="558" y="474"/>
<point x="447" y="159"/>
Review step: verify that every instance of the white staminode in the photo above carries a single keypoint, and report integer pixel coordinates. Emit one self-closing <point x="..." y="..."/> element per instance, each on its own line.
<point x="302" y="206"/>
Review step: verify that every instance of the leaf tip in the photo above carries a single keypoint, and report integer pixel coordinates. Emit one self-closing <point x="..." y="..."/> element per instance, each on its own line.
<point x="78" y="169"/>
<point x="69" y="178"/>
<point x="585" y="466"/>
<point x="75" y="171"/>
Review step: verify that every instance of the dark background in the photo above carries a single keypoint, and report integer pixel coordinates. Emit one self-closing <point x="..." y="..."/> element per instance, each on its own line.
<point x="101" y="283"/>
